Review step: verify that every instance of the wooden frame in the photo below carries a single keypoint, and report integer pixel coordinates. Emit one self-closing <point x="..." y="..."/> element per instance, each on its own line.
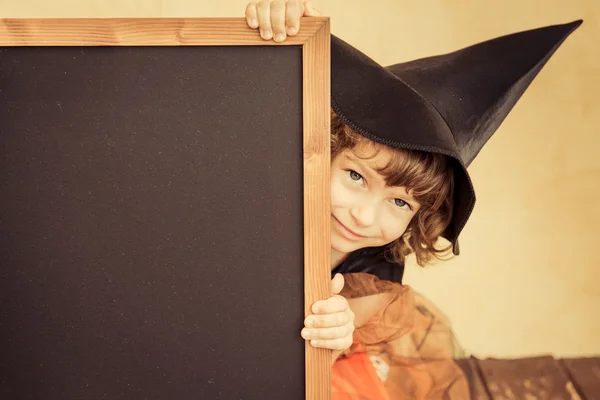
<point x="315" y="41"/>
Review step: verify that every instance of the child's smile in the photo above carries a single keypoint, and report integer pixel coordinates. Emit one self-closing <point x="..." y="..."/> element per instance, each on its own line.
<point x="345" y="231"/>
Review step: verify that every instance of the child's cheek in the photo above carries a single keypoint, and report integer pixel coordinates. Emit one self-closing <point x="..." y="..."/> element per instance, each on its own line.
<point x="393" y="228"/>
<point x="337" y="192"/>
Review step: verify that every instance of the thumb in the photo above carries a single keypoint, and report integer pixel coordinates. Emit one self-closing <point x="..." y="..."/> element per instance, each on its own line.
<point x="337" y="283"/>
<point x="310" y="11"/>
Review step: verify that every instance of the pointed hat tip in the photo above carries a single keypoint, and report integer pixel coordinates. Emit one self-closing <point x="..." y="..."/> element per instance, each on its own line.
<point x="574" y="24"/>
<point x="567" y="27"/>
<point x="570" y="27"/>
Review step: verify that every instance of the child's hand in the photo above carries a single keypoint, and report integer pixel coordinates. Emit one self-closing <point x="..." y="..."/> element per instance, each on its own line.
<point x="332" y="324"/>
<point x="278" y="18"/>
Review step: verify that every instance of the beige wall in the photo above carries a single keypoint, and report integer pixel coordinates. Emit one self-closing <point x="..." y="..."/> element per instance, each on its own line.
<point x="528" y="279"/>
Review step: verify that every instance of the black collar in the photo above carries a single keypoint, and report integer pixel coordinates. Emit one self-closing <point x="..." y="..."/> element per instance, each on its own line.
<point x="371" y="260"/>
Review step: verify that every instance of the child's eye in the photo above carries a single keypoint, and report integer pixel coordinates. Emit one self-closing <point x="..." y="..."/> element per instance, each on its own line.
<point x="402" y="204"/>
<point x="355" y="176"/>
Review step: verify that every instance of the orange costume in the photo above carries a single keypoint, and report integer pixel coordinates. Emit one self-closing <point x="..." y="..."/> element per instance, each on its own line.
<point x="405" y="351"/>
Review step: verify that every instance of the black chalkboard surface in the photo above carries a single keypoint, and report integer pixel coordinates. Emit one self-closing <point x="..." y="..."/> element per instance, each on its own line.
<point x="152" y="222"/>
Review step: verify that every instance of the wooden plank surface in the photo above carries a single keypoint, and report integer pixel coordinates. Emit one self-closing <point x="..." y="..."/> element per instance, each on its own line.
<point x="143" y="32"/>
<point x="477" y="385"/>
<point x="530" y="378"/>
<point x="317" y="164"/>
<point x="585" y="374"/>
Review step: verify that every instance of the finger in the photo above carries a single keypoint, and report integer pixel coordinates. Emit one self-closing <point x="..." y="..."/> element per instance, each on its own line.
<point x="329" y="320"/>
<point x="310" y="11"/>
<point x="263" y="9"/>
<point x="337" y="283"/>
<point x="334" y="344"/>
<point x="278" y="20"/>
<point x="333" y="304"/>
<point x="251" y="15"/>
<point x="292" y="16"/>
<point x="337" y="332"/>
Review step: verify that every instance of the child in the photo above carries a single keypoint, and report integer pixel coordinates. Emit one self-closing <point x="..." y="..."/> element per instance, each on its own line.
<point x="402" y="137"/>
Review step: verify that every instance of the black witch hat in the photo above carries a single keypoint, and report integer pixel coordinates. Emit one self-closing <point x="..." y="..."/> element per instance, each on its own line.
<point x="449" y="104"/>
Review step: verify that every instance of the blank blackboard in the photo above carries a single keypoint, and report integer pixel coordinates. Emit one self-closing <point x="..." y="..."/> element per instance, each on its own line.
<point x="156" y="241"/>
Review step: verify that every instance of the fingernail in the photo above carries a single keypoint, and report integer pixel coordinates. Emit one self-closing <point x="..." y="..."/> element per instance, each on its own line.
<point x="292" y="30"/>
<point x="266" y="34"/>
<point x="305" y="334"/>
<point x="314" y="342"/>
<point x="315" y="309"/>
<point x="280" y="37"/>
<point x="254" y="23"/>
<point x="309" y="323"/>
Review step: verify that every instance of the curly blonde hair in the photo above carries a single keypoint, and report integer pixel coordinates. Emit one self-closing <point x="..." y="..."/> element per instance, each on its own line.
<point x="430" y="178"/>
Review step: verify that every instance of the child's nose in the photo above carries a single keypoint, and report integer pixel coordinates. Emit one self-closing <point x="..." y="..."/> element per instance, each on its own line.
<point x="365" y="215"/>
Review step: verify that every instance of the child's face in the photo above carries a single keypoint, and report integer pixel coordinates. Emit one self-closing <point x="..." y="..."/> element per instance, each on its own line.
<point x="365" y="212"/>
